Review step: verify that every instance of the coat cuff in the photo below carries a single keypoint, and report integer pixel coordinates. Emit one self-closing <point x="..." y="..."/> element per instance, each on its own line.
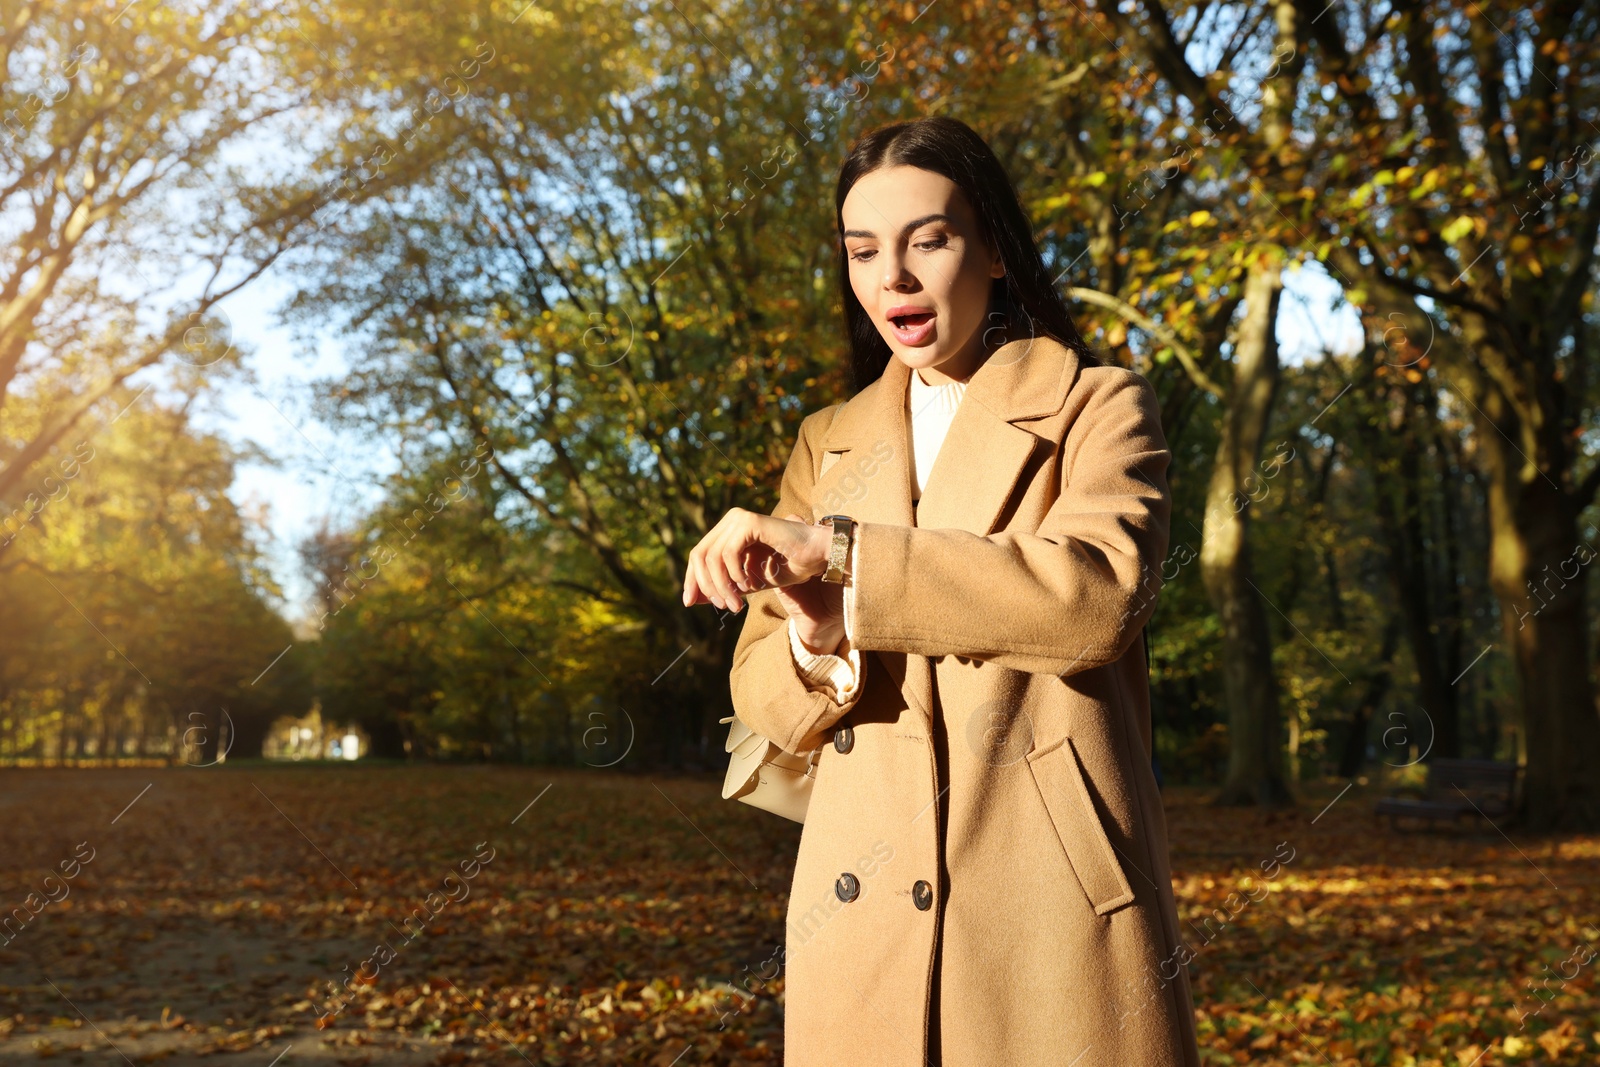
<point x="839" y="676"/>
<point x="769" y="692"/>
<point x="850" y="592"/>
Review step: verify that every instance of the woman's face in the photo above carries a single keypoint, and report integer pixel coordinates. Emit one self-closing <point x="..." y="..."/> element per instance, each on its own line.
<point x="920" y="267"/>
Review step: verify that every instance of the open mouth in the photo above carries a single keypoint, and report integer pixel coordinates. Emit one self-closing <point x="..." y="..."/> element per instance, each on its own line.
<point x="911" y="320"/>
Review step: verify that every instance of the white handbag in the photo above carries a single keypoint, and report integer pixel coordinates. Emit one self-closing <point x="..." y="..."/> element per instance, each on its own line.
<point x="763" y="775"/>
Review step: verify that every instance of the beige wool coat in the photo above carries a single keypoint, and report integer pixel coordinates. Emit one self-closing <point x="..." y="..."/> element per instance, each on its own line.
<point x="983" y="877"/>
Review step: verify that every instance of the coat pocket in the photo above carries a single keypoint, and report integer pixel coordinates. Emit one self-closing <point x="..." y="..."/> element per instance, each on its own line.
<point x="1058" y="775"/>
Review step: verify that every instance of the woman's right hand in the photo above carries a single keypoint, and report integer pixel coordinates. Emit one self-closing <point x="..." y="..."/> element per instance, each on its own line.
<point x="748" y="551"/>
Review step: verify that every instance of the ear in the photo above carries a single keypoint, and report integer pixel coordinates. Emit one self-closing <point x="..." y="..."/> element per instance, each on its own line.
<point x="997" y="268"/>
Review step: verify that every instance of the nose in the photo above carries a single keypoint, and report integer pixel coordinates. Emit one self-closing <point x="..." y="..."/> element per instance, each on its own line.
<point x="895" y="276"/>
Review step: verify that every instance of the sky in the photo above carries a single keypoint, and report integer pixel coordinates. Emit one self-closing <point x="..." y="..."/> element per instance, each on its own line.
<point x="318" y="473"/>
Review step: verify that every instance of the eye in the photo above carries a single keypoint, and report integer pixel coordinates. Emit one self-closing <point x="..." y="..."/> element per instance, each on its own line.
<point x="862" y="255"/>
<point x="935" y="242"/>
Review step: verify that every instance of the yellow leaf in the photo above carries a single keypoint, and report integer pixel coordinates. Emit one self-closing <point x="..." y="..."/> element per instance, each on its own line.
<point x="1457" y="229"/>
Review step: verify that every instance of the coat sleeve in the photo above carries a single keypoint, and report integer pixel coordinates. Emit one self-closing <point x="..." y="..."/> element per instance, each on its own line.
<point x="1066" y="598"/>
<point x="770" y="693"/>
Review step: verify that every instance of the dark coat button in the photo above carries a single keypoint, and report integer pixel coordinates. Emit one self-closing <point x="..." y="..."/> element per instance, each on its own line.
<point x="844" y="739"/>
<point x="922" y="895"/>
<point x="848" y="887"/>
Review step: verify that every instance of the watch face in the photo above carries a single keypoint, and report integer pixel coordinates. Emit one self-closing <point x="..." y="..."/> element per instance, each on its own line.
<point x="838" y="548"/>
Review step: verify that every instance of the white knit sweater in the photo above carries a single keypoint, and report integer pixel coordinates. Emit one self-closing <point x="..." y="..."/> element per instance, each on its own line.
<point x="932" y="409"/>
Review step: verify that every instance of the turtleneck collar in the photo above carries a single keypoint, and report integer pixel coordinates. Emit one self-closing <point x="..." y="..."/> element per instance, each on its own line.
<point x="929" y="399"/>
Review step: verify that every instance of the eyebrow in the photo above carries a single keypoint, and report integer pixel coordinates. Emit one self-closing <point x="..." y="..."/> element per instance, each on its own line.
<point x="937" y="216"/>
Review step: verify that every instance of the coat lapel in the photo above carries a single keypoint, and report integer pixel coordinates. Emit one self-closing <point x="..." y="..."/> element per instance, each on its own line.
<point x="976" y="470"/>
<point x="867" y="462"/>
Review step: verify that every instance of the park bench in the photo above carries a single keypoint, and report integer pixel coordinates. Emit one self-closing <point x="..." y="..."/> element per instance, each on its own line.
<point x="1457" y="787"/>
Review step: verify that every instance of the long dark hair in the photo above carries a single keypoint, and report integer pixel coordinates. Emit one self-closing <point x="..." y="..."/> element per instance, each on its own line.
<point x="1026" y="296"/>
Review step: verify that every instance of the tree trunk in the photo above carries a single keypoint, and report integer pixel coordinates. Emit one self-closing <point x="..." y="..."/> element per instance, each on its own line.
<point x="1449" y="613"/>
<point x="1255" y="754"/>
<point x="385" y="736"/>
<point x="246" y="735"/>
<point x="1411" y="572"/>
<point x="1354" y="752"/>
<point x="567" y="749"/>
<point x="1536" y="560"/>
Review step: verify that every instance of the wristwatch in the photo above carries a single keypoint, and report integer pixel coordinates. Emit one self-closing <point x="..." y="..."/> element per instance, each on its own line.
<point x="844" y="531"/>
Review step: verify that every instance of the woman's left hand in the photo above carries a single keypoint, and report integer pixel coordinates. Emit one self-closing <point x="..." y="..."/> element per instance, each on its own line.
<point x="747" y="551"/>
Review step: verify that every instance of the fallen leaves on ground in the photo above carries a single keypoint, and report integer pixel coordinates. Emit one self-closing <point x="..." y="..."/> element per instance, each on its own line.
<point x="229" y="909"/>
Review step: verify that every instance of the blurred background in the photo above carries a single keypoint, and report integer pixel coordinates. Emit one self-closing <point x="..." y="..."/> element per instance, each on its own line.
<point x="367" y="373"/>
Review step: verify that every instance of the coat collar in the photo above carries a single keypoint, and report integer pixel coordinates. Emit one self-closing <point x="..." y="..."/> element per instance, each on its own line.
<point x="983" y="454"/>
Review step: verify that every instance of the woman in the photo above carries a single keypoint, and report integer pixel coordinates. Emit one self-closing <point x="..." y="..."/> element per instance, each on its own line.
<point x="982" y="877"/>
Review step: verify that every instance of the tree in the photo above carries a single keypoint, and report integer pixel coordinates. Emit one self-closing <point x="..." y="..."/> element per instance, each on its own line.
<point x="139" y="617"/>
<point x="1264" y="243"/>
<point x="109" y="120"/>
<point x="572" y="292"/>
<point x="1470" y="225"/>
